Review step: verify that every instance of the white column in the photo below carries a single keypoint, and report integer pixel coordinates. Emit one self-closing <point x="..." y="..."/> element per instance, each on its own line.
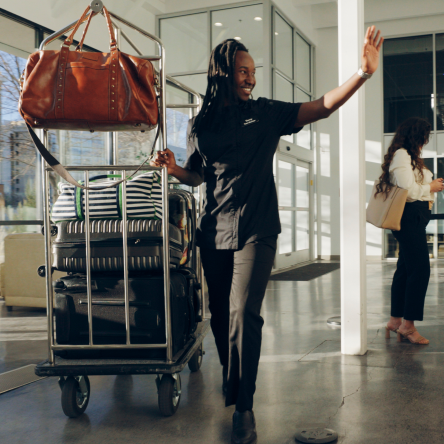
<point x="352" y="184"/>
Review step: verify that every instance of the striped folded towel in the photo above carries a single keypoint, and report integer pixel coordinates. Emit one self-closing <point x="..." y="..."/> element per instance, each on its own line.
<point x="143" y="199"/>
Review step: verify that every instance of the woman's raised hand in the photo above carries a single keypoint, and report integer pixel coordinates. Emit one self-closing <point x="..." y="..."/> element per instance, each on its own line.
<point x="370" y="50"/>
<point x="436" y="185"/>
<point x="165" y="159"/>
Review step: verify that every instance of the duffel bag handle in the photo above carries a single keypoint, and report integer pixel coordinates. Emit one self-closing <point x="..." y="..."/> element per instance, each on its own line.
<point x="113" y="44"/>
<point x="79" y="47"/>
<point x="64" y="174"/>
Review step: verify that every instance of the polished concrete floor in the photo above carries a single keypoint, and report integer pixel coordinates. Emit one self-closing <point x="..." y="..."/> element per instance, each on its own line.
<point x="392" y="395"/>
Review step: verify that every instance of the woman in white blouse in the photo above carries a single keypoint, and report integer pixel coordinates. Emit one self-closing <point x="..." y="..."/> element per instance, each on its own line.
<point x="404" y="167"/>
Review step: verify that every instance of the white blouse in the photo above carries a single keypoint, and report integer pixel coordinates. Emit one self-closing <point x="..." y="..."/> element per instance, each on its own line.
<point x="403" y="175"/>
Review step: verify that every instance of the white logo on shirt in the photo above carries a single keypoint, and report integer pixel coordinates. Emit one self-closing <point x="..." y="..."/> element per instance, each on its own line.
<point x="248" y="121"/>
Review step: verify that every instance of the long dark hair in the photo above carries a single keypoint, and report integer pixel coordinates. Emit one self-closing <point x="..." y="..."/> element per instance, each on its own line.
<point x="220" y="88"/>
<point x="412" y="135"/>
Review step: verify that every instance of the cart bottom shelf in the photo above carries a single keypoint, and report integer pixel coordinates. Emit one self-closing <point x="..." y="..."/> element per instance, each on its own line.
<point x="75" y="367"/>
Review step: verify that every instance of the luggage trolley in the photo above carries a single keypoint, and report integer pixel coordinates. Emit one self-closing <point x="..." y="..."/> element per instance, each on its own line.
<point x="73" y="373"/>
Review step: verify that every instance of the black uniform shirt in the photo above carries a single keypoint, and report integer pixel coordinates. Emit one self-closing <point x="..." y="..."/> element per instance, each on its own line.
<point x="240" y="200"/>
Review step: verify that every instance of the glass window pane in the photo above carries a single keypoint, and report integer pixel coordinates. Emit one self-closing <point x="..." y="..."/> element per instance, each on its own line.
<point x="302" y="231"/>
<point x="197" y="82"/>
<point x="302" y="187"/>
<point x="303" y="63"/>
<point x="18" y="154"/>
<point x="408" y="80"/>
<point x="440" y="80"/>
<point x="303" y="137"/>
<point x="283" y="91"/>
<point x="177" y="123"/>
<point x="16" y="38"/>
<point x="286" y="184"/>
<point x="135" y="146"/>
<point x="246" y="23"/>
<point x="286" y="238"/>
<point x="175" y="95"/>
<point x="283" y="36"/>
<point x="186" y="42"/>
<point x="440" y="143"/>
<point x="78" y="148"/>
<point x="439" y="202"/>
<point x="430" y="229"/>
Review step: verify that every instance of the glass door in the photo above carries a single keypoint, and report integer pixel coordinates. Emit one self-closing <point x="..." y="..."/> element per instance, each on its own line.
<point x="294" y="187"/>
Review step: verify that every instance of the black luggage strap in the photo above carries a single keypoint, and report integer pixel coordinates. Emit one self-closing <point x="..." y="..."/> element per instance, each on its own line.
<point x="64" y="174"/>
<point x="437" y="216"/>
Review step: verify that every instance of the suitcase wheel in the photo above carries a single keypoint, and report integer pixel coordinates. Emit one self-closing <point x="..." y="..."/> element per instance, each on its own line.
<point x="195" y="363"/>
<point x="75" y="395"/>
<point x="169" y="392"/>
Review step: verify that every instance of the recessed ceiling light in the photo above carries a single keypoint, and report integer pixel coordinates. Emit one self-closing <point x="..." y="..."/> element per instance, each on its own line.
<point x="276" y="33"/>
<point x="218" y="24"/>
<point x="237" y="38"/>
<point x="258" y="19"/>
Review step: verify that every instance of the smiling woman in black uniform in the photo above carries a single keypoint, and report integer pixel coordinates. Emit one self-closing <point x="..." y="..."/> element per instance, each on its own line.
<point x="231" y="144"/>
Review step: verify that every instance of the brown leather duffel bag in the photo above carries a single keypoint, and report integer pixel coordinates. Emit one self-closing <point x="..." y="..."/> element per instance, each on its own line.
<point x="75" y="90"/>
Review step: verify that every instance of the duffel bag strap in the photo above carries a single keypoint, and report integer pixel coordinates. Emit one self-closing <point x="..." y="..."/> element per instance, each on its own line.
<point x="64" y="174"/>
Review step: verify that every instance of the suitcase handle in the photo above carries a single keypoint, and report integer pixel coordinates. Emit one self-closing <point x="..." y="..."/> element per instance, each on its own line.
<point x="111" y="303"/>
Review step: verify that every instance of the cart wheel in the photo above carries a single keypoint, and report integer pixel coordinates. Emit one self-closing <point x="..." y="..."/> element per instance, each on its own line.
<point x="74" y="399"/>
<point x="195" y="362"/>
<point x="169" y="394"/>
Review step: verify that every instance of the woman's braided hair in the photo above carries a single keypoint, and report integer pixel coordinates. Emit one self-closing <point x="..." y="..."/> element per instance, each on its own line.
<point x="412" y="135"/>
<point x="220" y="88"/>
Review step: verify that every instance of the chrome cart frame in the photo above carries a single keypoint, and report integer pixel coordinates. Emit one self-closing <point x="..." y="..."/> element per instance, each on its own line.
<point x="172" y="365"/>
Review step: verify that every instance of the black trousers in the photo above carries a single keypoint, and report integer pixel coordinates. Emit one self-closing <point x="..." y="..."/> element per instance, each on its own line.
<point x="412" y="274"/>
<point x="237" y="280"/>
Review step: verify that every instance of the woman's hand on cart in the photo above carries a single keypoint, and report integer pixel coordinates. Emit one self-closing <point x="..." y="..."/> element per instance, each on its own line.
<point x="165" y="159"/>
<point x="187" y="177"/>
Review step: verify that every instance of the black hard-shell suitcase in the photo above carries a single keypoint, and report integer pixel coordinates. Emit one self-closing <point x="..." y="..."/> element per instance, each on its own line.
<point x="145" y="245"/>
<point x="145" y="240"/>
<point x="147" y="313"/>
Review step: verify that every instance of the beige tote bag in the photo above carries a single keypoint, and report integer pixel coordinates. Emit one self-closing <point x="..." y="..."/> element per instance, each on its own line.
<point x="386" y="211"/>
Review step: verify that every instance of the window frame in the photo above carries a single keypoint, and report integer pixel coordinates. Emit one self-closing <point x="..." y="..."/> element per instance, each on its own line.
<point x="429" y="154"/>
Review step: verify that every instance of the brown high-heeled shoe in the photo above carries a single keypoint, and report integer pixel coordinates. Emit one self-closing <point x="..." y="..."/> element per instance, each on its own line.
<point x="388" y="330"/>
<point x="420" y="341"/>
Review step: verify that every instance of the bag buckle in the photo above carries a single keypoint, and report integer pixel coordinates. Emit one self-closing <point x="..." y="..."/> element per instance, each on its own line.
<point x="156" y="82"/>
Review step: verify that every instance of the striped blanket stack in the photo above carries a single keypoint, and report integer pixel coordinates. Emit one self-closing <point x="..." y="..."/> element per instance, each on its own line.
<point x="143" y="199"/>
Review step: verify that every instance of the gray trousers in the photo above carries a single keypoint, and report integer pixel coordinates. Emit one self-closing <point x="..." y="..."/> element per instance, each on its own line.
<point x="237" y="280"/>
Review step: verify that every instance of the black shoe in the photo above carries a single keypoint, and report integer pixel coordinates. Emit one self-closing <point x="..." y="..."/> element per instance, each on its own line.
<point x="224" y="380"/>
<point x="244" y="428"/>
